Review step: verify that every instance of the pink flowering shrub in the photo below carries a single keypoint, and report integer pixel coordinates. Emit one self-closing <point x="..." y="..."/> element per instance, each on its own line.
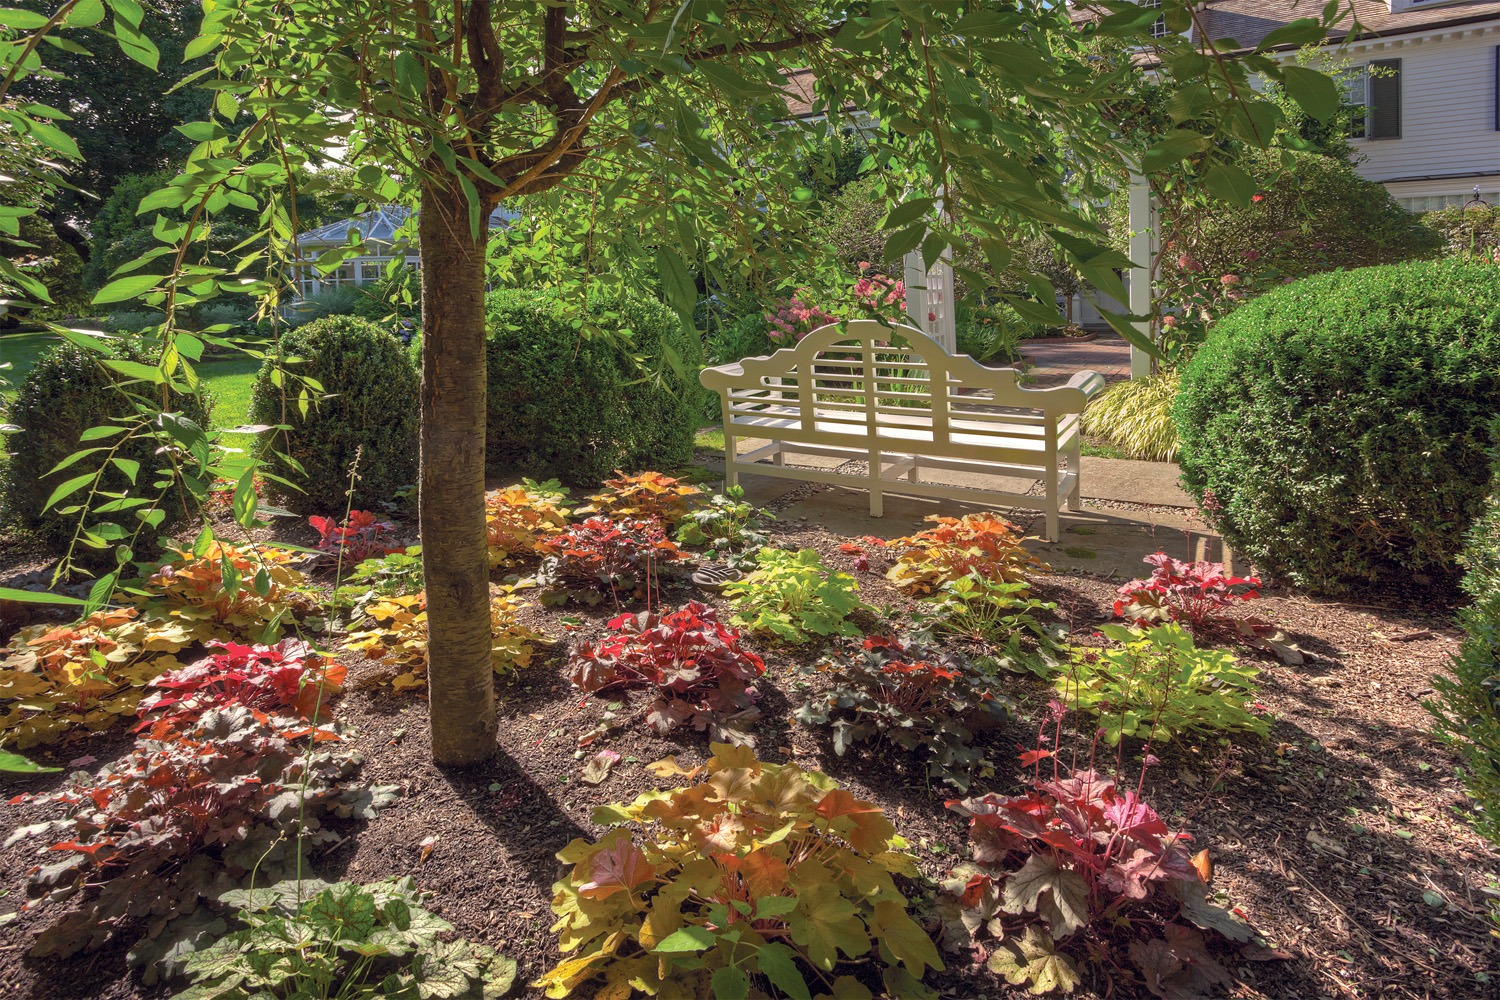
<point x="872" y="294"/>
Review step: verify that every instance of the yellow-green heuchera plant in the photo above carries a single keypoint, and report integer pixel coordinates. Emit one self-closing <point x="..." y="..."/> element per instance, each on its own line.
<point x="755" y="877"/>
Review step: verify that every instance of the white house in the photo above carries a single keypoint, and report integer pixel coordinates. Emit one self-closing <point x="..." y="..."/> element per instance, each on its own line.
<point x="380" y="233"/>
<point x="1428" y="75"/>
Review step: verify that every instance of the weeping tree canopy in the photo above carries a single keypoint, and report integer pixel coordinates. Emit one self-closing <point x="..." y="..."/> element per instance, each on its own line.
<point x="645" y="129"/>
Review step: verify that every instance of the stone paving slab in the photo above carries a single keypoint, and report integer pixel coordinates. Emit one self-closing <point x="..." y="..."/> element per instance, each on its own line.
<point x="1054" y="363"/>
<point x="1097" y="540"/>
<point x="1133" y="481"/>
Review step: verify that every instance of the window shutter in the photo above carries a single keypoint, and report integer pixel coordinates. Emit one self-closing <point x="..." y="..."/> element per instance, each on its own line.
<point x="1385" y="99"/>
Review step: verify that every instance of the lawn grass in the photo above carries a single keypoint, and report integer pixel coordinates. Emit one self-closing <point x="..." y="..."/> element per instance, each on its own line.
<point x="231" y="380"/>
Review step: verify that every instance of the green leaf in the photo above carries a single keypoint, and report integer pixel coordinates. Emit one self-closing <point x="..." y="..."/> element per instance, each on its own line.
<point x="686" y="940"/>
<point x="85" y="14"/>
<point x="36" y="597"/>
<point x="16" y="764"/>
<point x="129" y="466"/>
<point x="1229" y="183"/>
<point x="68" y="488"/>
<point x="134" y="369"/>
<point x="124" y="289"/>
<point x="1176" y="145"/>
<point x="21" y="20"/>
<point x="903" y="241"/>
<point x="730" y="983"/>
<point x="778" y="963"/>
<point x="1302" y="31"/>
<point x="1314" y="91"/>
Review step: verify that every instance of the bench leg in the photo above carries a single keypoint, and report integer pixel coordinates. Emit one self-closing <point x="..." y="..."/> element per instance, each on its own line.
<point x="911" y="474"/>
<point x="1075" y="466"/>
<point x="731" y="475"/>
<point x="779" y="456"/>
<point x="1053" y="532"/>
<point x="877" y="499"/>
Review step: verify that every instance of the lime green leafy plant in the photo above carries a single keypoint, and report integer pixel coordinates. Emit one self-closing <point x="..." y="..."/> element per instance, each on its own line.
<point x="998" y="615"/>
<point x="1158" y="685"/>
<point x="309" y="940"/>
<point x="747" y="880"/>
<point x="794" y="597"/>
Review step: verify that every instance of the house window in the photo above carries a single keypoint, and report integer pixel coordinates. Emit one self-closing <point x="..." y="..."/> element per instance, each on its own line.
<point x="371" y="271"/>
<point x="1355" y="84"/>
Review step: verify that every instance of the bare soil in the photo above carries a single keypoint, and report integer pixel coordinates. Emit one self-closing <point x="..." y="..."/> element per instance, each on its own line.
<point x="1341" y="838"/>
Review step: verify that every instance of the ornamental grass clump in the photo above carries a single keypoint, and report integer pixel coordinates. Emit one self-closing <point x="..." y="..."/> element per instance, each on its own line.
<point x="1158" y="685"/>
<point x="954" y="547"/>
<point x="694" y="664"/>
<point x="1080" y="877"/>
<point x="1136" y="417"/>
<point x="756" y="879"/>
<point x="794" y="597"/>
<point x="917" y="697"/>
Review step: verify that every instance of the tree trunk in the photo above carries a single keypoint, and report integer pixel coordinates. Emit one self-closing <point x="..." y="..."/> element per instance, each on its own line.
<point x="455" y="562"/>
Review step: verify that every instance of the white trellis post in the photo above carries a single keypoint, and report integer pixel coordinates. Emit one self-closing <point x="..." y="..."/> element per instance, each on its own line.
<point x="929" y="299"/>
<point x="929" y="294"/>
<point x="1143" y="249"/>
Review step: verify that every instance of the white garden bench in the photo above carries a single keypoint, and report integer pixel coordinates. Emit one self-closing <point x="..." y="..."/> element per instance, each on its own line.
<point x="893" y="398"/>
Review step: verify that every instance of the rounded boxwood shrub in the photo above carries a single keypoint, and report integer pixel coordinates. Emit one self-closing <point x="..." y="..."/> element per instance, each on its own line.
<point x="578" y="406"/>
<point x="1468" y="695"/>
<point x="373" y="404"/>
<point x="66" y="392"/>
<point x="1334" y="429"/>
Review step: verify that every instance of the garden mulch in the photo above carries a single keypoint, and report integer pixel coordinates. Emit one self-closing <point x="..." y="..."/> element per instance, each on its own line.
<point x="1340" y="837"/>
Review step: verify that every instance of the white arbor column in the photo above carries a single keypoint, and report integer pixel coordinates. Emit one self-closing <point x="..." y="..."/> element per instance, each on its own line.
<point x="1143" y="249"/>
<point x="929" y="299"/>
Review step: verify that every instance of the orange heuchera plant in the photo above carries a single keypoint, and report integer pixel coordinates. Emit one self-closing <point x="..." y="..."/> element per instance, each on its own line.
<point x="90" y="674"/>
<point x="645" y="496"/>
<point x="750" y="879"/>
<point x="217" y="591"/>
<point x="957" y="546"/>
<point x="518" y="520"/>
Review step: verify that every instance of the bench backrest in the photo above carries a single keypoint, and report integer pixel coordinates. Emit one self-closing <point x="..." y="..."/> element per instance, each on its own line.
<point x="890" y="379"/>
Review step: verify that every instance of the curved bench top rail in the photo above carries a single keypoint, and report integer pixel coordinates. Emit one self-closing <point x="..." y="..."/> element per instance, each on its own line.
<point x="872" y="339"/>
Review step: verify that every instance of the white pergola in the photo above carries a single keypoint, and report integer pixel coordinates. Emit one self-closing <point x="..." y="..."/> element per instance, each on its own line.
<point x="929" y="294"/>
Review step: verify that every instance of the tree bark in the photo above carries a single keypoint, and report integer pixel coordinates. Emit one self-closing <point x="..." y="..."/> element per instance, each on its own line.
<point x="455" y="563"/>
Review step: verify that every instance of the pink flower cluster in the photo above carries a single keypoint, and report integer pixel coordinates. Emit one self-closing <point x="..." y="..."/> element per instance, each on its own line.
<point x="872" y="293"/>
<point x="795" y="319"/>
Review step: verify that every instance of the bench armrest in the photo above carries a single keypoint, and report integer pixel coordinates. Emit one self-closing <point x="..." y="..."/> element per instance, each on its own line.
<point x="1091" y="382"/>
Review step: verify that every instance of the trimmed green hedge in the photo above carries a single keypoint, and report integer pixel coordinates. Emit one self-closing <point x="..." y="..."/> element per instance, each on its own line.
<point x="1334" y="429"/>
<point x="1468" y="700"/>
<point x="578" y="407"/>
<point x="66" y="392"/>
<point x="374" y="404"/>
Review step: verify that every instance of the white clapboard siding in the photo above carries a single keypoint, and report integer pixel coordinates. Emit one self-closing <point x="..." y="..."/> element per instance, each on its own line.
<point x="895" y="400"/>
<point x="1447" y="110"/>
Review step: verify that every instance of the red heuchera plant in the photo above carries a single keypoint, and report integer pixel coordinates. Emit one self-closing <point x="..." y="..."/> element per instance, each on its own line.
<point x="1078" y="870"/>
<point x="285" y="679"/>
<point x="153" y="832"/>
<point x="701" y="674"/>
<point x="363" y="536"/>
<point x="1193" y="594"/>
<point x="598" y="552"/>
